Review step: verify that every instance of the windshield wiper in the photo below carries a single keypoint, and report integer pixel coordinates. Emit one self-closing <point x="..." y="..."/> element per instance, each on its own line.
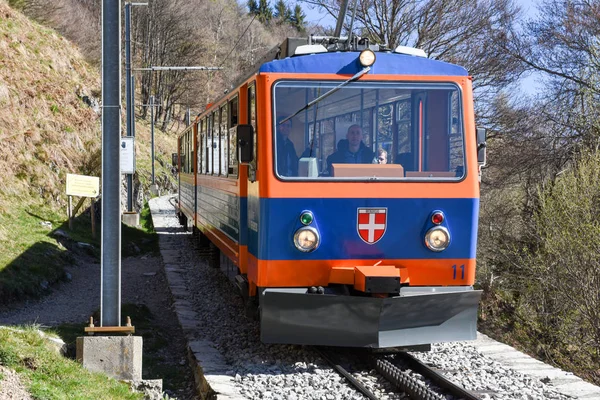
<point x="326" y="94"/>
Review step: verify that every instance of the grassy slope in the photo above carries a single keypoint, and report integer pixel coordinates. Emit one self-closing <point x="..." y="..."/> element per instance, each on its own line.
<point x="47" y="131"/>
<point x="48" y="375"/>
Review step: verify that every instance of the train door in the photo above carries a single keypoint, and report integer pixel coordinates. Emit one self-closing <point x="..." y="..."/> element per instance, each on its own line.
<point x="253" y="199"/>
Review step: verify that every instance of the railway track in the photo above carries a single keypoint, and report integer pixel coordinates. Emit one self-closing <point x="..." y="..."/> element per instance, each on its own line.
<point x="396" y="370"/>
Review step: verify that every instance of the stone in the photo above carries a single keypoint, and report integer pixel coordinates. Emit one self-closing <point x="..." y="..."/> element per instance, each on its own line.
<point x="119" y="357"/>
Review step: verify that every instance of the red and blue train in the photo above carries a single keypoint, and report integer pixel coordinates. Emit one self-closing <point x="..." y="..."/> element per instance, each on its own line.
<point x="340" y="183"/>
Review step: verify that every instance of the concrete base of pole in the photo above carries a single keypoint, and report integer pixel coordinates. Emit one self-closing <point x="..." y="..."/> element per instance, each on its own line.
<point x="154" y="190"/>
<point x="131" y="218"/>
<point x="119" y="357"/>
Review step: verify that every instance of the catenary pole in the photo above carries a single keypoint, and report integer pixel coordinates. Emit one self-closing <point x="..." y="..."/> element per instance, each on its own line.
<point x="152" y="134"/>
<point x="129" y="93"/>
<point x="341" y="18"/>
<point x="128" y="106"/>
<point x="110" y="264"/>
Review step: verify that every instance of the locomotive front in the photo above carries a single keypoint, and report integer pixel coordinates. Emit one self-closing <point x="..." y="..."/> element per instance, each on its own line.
<point x="363" y="228"/>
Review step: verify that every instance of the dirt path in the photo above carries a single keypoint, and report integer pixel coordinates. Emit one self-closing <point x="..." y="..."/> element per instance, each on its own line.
<point x="143" y="282"/>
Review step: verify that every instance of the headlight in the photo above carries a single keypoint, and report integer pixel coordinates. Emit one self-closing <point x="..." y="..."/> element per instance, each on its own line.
<point x="306" y="239"/>
<point x="366" y="58"/>
<point x="437" y="239"/>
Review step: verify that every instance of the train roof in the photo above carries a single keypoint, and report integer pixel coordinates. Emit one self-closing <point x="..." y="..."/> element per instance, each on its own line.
<point x="347" y="63"/>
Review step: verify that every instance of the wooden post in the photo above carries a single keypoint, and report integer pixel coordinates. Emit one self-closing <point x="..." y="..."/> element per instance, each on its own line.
<point x="93" y="212"/>
<point x="70" y="214"/>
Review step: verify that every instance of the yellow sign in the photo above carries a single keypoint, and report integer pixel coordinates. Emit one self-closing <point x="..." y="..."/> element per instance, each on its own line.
<point x="84" y="186"/>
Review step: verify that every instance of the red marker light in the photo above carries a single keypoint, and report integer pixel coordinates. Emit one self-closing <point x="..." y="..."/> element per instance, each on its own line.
<point x="437" y="217"/>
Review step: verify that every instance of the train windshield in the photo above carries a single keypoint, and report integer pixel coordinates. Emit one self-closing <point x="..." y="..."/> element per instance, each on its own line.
<point x="368" y="131"/>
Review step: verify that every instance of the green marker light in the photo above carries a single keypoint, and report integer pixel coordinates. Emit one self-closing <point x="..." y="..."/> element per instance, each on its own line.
<point x="306" y="218"/>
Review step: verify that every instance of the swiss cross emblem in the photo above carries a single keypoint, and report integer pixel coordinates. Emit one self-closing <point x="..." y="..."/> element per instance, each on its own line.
<point x="371" y="224"/>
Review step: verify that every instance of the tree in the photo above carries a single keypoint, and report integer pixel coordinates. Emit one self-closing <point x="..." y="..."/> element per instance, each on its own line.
<point x="264" y="12"/>
<point x="562" y="46"/>
<point x="461" y="32"/>
<point x="282" y="12"/>
<point x="298" y="19"/>
<point x="252" y="7"/>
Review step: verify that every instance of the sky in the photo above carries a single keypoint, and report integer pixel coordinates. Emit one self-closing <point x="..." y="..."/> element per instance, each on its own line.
<point x="528" y="83"/>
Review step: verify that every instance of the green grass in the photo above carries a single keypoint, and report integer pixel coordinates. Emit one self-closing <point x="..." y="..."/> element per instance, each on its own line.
<point x="49" y="375"/>
<point x="32" y="257"/>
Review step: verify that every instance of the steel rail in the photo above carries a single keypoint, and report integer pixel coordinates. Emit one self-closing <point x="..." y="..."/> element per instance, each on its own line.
<point x="437" y="378"/>
<point x="361" y="388"/>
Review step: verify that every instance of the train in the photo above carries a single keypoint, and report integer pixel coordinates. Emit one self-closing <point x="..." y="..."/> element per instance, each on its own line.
<point x="338" y="184"/>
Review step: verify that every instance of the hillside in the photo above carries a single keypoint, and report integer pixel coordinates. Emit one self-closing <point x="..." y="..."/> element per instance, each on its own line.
<point x="49" y="127"/>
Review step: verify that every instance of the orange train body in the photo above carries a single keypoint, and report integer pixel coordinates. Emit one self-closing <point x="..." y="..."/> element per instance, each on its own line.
<point x="385" y="255"/>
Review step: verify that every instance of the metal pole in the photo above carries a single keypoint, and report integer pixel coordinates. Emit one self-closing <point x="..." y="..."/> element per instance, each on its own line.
<point x="341" y="18"/>
<point x="133" y="106"/>
<point x="110" y="283"/>
<point x="352" y="20"/>
<point x="152" y="133"/>
<point x="128" y="96"/>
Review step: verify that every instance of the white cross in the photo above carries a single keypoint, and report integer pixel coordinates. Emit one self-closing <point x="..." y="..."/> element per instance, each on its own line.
<point x="371" y="227"/>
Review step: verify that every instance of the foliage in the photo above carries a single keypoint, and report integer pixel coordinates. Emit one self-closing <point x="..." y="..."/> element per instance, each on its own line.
<point x="537" y="256"/>
<point x="566" y="266"/>
<point x="542" y="287"/>
<point x="51" y="376"/>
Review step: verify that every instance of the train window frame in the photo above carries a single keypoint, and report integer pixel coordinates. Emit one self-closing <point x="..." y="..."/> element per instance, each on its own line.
<point x="216" y="160"/>
<point x="407" y="85"/>
<point x="193" y="150"/>
<point x="253" y="118"/>
<point x="224" y="140"/>
<point x="202" y="168"/>
<point x="234" y="112"/>
<point x="209" y="142"/>
<point x="198" y="147"/>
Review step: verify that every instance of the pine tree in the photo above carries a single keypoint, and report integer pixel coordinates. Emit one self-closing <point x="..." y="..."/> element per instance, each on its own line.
<point x="265" y="13"/>
<point x="252" y="7"/>
<point x="282" y="11"/>
<point x="298" y="19"/>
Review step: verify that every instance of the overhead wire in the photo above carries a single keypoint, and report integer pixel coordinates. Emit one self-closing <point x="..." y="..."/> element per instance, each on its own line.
<point x="232" y="49"/>
<point x="238" y="41"/>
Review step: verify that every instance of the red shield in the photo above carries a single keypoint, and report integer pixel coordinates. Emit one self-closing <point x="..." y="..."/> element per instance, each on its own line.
<point x="371" y="224"/>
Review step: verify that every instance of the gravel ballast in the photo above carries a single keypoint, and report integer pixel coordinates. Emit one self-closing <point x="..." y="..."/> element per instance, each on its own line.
<point x="258" y="371"/>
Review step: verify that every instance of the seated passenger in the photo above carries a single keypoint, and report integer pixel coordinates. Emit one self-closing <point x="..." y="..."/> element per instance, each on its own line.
<point x="381" y="157"/>
<point x="352" y="150"/>
<point x="287" y="160"/>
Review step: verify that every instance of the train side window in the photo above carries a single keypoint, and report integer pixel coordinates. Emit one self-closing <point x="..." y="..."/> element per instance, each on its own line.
<point x="200" y="147"/>
<point x="403" y="154"/>
<point x="252" y="116"/>
<point x="205" y="147"/>
<point x="185" y="151"/>
<point x="215" y="143"/>
<point x="193" y="152"/>
<point x="223" y="141"/>
<point x="209" y="147"/>
<point x="233" y="121"/>
<point x="181" y="154"/>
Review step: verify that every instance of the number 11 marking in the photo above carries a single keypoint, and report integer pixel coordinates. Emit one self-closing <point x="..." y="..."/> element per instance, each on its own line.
<point x="462" y="271"/>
